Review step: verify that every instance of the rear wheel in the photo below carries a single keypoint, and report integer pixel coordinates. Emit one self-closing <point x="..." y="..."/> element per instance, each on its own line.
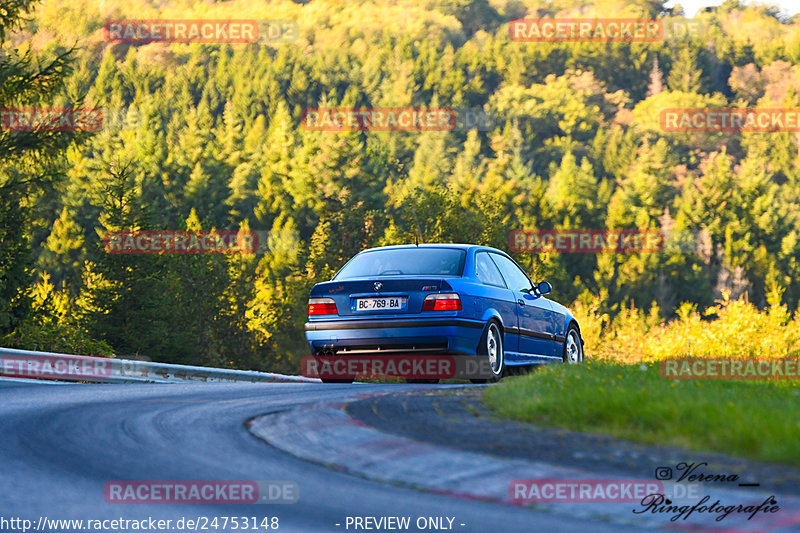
<point x="573" y="347"/>
<point x="491" y="348"/>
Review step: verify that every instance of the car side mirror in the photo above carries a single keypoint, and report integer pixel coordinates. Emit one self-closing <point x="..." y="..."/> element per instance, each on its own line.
<point x="544" y="287"/>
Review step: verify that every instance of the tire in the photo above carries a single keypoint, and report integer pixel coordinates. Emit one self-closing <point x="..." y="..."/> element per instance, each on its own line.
<point x="491" y="346"/>
<point x="329" y="380"/>
<point x="573" y="347"/>
<point x="423" y="381"/>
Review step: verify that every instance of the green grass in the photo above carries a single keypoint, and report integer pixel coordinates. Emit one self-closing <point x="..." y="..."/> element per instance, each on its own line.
<point x="756" y="420"/>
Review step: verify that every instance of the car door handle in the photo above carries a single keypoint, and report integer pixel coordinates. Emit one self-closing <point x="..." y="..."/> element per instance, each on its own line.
<point x="521" y="302"/>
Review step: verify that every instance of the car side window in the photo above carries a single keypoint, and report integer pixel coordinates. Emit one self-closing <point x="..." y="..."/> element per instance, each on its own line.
<point x="487" y="271"/>
<point x="514" y="276"/>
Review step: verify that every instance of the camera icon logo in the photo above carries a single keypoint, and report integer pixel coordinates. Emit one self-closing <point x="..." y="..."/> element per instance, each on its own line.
<point x="663" y="473"/>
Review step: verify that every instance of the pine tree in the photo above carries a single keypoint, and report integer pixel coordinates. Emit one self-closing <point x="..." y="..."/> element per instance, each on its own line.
<point x="575" y="193"/>
<point x="29" y="161"/>
<point x="685" y="73"/>
<point x="65" y="251"/>
<point x="656" y="79"/>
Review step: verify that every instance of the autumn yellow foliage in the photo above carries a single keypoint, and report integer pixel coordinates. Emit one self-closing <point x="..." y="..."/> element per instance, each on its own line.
<point x="731" y="328"/>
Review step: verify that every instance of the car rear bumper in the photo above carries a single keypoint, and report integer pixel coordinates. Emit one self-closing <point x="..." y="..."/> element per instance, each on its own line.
<point x="394" y="336"/>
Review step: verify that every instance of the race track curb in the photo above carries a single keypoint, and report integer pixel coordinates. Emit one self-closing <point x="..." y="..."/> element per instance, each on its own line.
<point x="323" y="433"/>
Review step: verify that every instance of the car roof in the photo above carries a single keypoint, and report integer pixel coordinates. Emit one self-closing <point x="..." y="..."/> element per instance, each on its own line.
<point x="433" y="245"/>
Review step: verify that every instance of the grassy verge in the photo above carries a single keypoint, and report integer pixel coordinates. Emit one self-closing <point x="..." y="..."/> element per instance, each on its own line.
<point x="757" y="420"/>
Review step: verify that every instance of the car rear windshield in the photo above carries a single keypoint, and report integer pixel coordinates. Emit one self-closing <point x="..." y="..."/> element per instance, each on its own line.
<point x="405" y="262"/>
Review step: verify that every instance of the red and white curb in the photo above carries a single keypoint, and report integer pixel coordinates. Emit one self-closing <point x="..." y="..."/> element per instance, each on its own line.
<point x="323" y="433"/>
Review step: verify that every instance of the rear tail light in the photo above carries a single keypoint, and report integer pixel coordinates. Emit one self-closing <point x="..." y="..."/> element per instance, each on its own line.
<point x="448" y="301"/>
<point x="321" y="306"/>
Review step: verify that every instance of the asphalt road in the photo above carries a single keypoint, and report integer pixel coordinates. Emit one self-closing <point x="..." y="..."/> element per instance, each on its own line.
<point x="61" y="444"/>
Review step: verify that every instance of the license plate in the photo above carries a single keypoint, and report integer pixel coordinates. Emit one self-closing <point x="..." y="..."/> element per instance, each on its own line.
<point x="396" y="303"/>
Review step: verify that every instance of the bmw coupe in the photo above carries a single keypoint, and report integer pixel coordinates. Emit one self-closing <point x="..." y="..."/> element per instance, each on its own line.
<point x="440" y="299"/>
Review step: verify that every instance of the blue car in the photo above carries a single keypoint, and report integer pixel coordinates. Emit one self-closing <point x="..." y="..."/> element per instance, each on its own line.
<point x="434" y="299"/>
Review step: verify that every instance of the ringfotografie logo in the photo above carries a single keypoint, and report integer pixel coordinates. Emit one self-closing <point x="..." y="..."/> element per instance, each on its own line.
<point x="661" y="503"/>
